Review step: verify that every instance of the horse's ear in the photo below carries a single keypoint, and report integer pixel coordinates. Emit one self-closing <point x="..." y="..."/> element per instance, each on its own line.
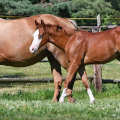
<point x="36" y="23"/>
<point x="59" y="27"/>
<point x="43" y="24"/>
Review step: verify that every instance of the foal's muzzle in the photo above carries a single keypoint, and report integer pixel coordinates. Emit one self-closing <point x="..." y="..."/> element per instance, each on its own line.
<point x="33" y="50"/>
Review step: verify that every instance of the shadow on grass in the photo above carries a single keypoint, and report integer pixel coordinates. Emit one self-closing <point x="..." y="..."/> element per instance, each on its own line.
<point x="16" y="75"/>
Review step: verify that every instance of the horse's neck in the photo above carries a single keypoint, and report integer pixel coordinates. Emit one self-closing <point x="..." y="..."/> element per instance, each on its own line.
<point x="60" y="42"/>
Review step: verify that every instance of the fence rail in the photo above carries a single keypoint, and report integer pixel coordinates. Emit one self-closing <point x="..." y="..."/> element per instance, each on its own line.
<point x="33" y="80"/>
<point x="43" y="80"/>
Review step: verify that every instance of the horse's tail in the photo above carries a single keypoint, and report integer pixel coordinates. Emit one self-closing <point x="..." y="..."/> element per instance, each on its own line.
<point x="74" y="23"/>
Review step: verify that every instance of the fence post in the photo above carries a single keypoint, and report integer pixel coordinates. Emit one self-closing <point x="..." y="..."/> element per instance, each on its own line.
<point x="98" y="68"/>
<point x="98" y="77"/>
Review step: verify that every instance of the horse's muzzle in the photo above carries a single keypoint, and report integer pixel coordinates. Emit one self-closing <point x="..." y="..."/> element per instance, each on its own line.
<point x="33" y="50"/>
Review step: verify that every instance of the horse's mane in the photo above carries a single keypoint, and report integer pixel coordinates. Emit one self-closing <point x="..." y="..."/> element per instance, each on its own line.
<point x="60" y="30"/>
<point x="71" y="31"/>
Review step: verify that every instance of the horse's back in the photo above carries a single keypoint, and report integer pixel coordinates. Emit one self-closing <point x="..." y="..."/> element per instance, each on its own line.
<point x="54" y="20"/>
<point x="1" y="19"/>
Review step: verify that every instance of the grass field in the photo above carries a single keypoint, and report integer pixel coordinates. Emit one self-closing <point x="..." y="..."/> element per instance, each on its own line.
<point x="32" y="101"/>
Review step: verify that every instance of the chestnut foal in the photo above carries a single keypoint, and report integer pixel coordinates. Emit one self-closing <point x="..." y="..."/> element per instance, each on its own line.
<point x="75" y="47"/>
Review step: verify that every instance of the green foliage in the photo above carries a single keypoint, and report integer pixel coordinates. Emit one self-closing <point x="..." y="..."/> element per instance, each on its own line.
<point x="61" y="9"/>
<point x="115" y="4"/>
<point x="116" y="14"/>
<point x="65" y="8"/>
<point x="92" y="7"/>
<point x="22" y="8"/>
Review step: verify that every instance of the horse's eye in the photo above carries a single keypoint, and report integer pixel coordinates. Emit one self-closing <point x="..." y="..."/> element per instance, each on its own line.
<point x="41" y="36"/>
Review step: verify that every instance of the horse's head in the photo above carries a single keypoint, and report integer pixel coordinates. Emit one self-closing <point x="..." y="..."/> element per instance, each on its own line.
<point x="38" y="37"/>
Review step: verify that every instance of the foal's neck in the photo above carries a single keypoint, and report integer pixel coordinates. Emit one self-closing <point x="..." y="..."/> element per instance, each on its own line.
<point x="59" y="41"/>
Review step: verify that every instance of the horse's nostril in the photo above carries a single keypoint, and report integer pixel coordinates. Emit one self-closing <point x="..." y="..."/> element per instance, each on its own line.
<point x="32" y="49"/>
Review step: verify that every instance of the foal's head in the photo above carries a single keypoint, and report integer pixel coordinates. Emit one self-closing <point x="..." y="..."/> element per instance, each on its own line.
<point x="39" y="37"/>
<point x="42" y="33"/>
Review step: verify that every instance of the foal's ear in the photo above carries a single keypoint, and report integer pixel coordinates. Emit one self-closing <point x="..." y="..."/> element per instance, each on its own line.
<point x="36" y="23"/>
<point x="43" y="24"/>
<point x="59" y="27"/>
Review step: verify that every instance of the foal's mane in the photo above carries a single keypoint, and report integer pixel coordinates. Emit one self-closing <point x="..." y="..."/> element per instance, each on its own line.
<point x="60" y="30"/>
<point x="71" y="31"/>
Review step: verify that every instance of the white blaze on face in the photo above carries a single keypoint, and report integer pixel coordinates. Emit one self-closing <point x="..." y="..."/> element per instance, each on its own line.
<point x="36" y="42"/>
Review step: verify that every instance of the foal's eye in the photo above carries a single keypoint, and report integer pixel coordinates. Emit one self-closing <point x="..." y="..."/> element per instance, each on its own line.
<point x="41" y="36"/>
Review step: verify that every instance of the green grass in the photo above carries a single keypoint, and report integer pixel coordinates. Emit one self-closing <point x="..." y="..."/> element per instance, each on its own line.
<point x="44" y="110"/>
<point x="37" y="70"/>
<point x="32" y="101"/>
<point x="26" y="103"/>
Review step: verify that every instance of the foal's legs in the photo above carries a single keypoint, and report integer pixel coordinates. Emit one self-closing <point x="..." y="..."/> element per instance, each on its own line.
<point x="69" y="90"/>
<point x="59" y="57"/>
<point x="71" y="72"/>
<point x="56" y="71"/>
<point x="83" y="75"/>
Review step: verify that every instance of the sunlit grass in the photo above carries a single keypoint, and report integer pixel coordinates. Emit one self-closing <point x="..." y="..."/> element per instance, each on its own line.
<point x="42" y="70"/>
<point x="111" y="70"/>
<point x="21" y="101"/>
<point x="37" y="70"/>
<point x="36" y="104"/>
<point x="33" y="100"/>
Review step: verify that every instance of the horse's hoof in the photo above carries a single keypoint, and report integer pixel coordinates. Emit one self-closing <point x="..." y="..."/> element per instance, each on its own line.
<point x="54" y="100"/>
<point x="61" y="100"/>
<point x="72" y="100"/>
<point x="92" y="101"/>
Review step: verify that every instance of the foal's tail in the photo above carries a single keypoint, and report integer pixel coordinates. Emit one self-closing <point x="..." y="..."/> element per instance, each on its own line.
<point x="74" y="23"/>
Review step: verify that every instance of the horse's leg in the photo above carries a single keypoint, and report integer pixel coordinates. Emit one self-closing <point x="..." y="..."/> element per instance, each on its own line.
<point x="118" y="58"/>
<point x="56" y="72"/>
<point x="71" y="72"/>
<point x="60" y="56"/>
<point x="69" y="90"/>
<point x="84" y="78"/>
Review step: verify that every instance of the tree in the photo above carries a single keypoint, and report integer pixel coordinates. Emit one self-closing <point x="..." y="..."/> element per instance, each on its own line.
<point x="90" y="9"/>
<point x="64" y="8"/>
<point x="116" y="6"/>
<point x="21" y="8"/>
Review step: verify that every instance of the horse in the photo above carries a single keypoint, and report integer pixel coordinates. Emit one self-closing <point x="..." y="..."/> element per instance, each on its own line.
<point x="15" y="39"/>
<point x="74" y="43"/>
